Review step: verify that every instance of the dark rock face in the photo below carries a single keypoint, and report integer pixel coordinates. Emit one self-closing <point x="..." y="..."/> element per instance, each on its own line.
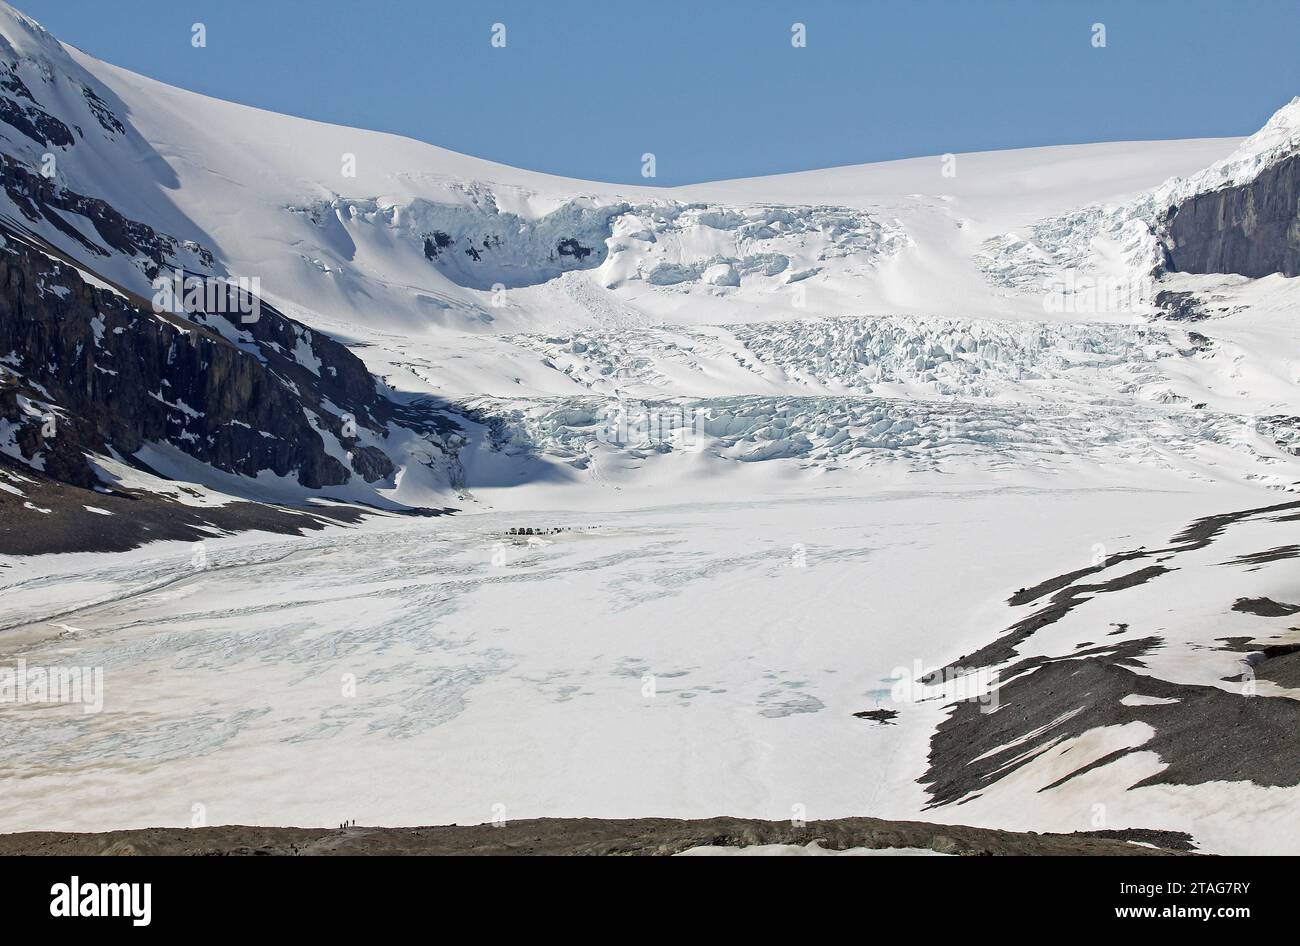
<point x="103" y="113"/>
<point x="35" y="123"/>
<point x="435" y="243"/>
<point x="29" y="117"/>
<point x="90" y="370"/>
<point x="1252" y="230"/>
<point x="571" y="247"/>
<point x="372" y="463"/>
<point x="1180" y="306"/>
<point x="40" y="199"/>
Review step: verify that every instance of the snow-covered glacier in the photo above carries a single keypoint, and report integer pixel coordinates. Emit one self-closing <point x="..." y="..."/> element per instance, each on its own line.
<point x="527" y="496"/>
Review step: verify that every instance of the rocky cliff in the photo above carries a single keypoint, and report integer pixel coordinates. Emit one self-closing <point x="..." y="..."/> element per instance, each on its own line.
<point x="90" y="370"/>
<point x="1252" y="229"/>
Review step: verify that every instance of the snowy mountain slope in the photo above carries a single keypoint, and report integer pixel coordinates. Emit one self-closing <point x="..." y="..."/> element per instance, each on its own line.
<point x="61" y="122"/>
<point x="441" y="269"/>
<point x="855" y="238"/>
<point x="403" y="259"/>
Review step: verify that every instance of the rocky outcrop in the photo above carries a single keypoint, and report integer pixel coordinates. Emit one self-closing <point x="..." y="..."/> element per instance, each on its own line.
<point x="1048" y="696"/>
<point x="1252" y="229"/>
<point x="40" y="199"/>
<point x="20" y="110"/>
<point x="89" y="370"/>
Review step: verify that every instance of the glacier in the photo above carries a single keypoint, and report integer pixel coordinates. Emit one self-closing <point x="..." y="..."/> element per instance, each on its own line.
<point x="561" y="498"/>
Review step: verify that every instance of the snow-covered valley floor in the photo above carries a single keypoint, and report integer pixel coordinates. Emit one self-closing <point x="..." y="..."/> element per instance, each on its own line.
<point x="678" y="660"/>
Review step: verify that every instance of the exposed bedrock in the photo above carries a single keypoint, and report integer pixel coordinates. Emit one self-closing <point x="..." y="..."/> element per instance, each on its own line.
<point x="1252" y="229"/>
<point x="40" y="199"/>
<point x="90" y="372"/>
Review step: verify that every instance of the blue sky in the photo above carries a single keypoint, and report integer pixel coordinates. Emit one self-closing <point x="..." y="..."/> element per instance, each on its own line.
<point x="713" y="87"/>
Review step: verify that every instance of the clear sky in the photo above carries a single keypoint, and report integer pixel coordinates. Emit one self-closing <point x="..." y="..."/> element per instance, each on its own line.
<point x="714" y="88"/>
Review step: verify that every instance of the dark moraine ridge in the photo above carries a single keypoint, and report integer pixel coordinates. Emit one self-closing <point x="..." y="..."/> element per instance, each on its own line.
<point x="1201" y="733"/>
<point x="593" y="836"/>
<point x="136" y="516"/>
